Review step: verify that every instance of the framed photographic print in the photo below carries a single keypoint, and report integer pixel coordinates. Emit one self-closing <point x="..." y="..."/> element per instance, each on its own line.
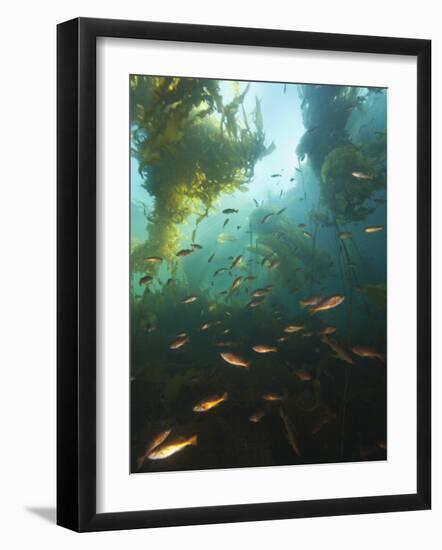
<point x="243" y="274"/>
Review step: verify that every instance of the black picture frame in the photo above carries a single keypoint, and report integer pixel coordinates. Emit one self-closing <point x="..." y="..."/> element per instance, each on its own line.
<point x="76" y="274"/>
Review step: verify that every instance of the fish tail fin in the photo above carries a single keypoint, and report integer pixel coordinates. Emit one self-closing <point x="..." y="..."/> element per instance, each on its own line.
<point x="312" y="310"/>
<point x="140" y="462"/>
<point x="193" y="440"/>
<point x="381" y="357"/>
<point x="225" y="396"/>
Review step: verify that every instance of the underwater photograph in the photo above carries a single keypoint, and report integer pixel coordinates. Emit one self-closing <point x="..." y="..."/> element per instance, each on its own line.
<point x="258" y="271"/>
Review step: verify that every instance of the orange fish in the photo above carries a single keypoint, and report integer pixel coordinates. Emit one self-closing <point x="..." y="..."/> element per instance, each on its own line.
<point x="179" y="342"/>
<point x="210" y="402"/>
<point x="189" y="300"/>
<point x="236" y="283"/>
<point x="156" y="441"/>
<point x="259" y="292"/>
<point x="236" y="261"/>
<point x="293" y="328"/>
<point x="302" y="375"/>
<point x="168" y="449"/>
<point x="255" y="303"/>
<point x="265" y="349"/>
<point x="272" y="396"/>
<point x="361" y="176"/>
<point x="257" y="416"/>
<point x="368" y="352"/>
<point x="373" y="229"/>
<point x="234" y="359"/>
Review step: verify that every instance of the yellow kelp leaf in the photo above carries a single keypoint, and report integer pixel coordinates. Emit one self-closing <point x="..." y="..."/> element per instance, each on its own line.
<point x="188" y="157"/>
<point x="173" y="85"/>
<point x="171" y="133"/>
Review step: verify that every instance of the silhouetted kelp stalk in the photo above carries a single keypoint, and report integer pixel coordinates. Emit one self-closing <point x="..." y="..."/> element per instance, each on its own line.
<point x="290" y="431"/>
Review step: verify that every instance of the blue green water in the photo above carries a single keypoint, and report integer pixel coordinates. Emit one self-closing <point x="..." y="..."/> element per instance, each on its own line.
<point x="300" y="225"/>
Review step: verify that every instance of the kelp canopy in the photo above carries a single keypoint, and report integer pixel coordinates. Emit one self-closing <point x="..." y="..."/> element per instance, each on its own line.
<point x="340" y="191"/>
<point x="333" y="154"/>
<point x="191" y="148"/>
<point x="325" y="112"/>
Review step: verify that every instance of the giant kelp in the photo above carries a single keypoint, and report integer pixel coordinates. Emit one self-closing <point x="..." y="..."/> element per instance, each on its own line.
<point x="325" y="112"/>
<point x="341" y="192"/>
<point x="191" y="148"/>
